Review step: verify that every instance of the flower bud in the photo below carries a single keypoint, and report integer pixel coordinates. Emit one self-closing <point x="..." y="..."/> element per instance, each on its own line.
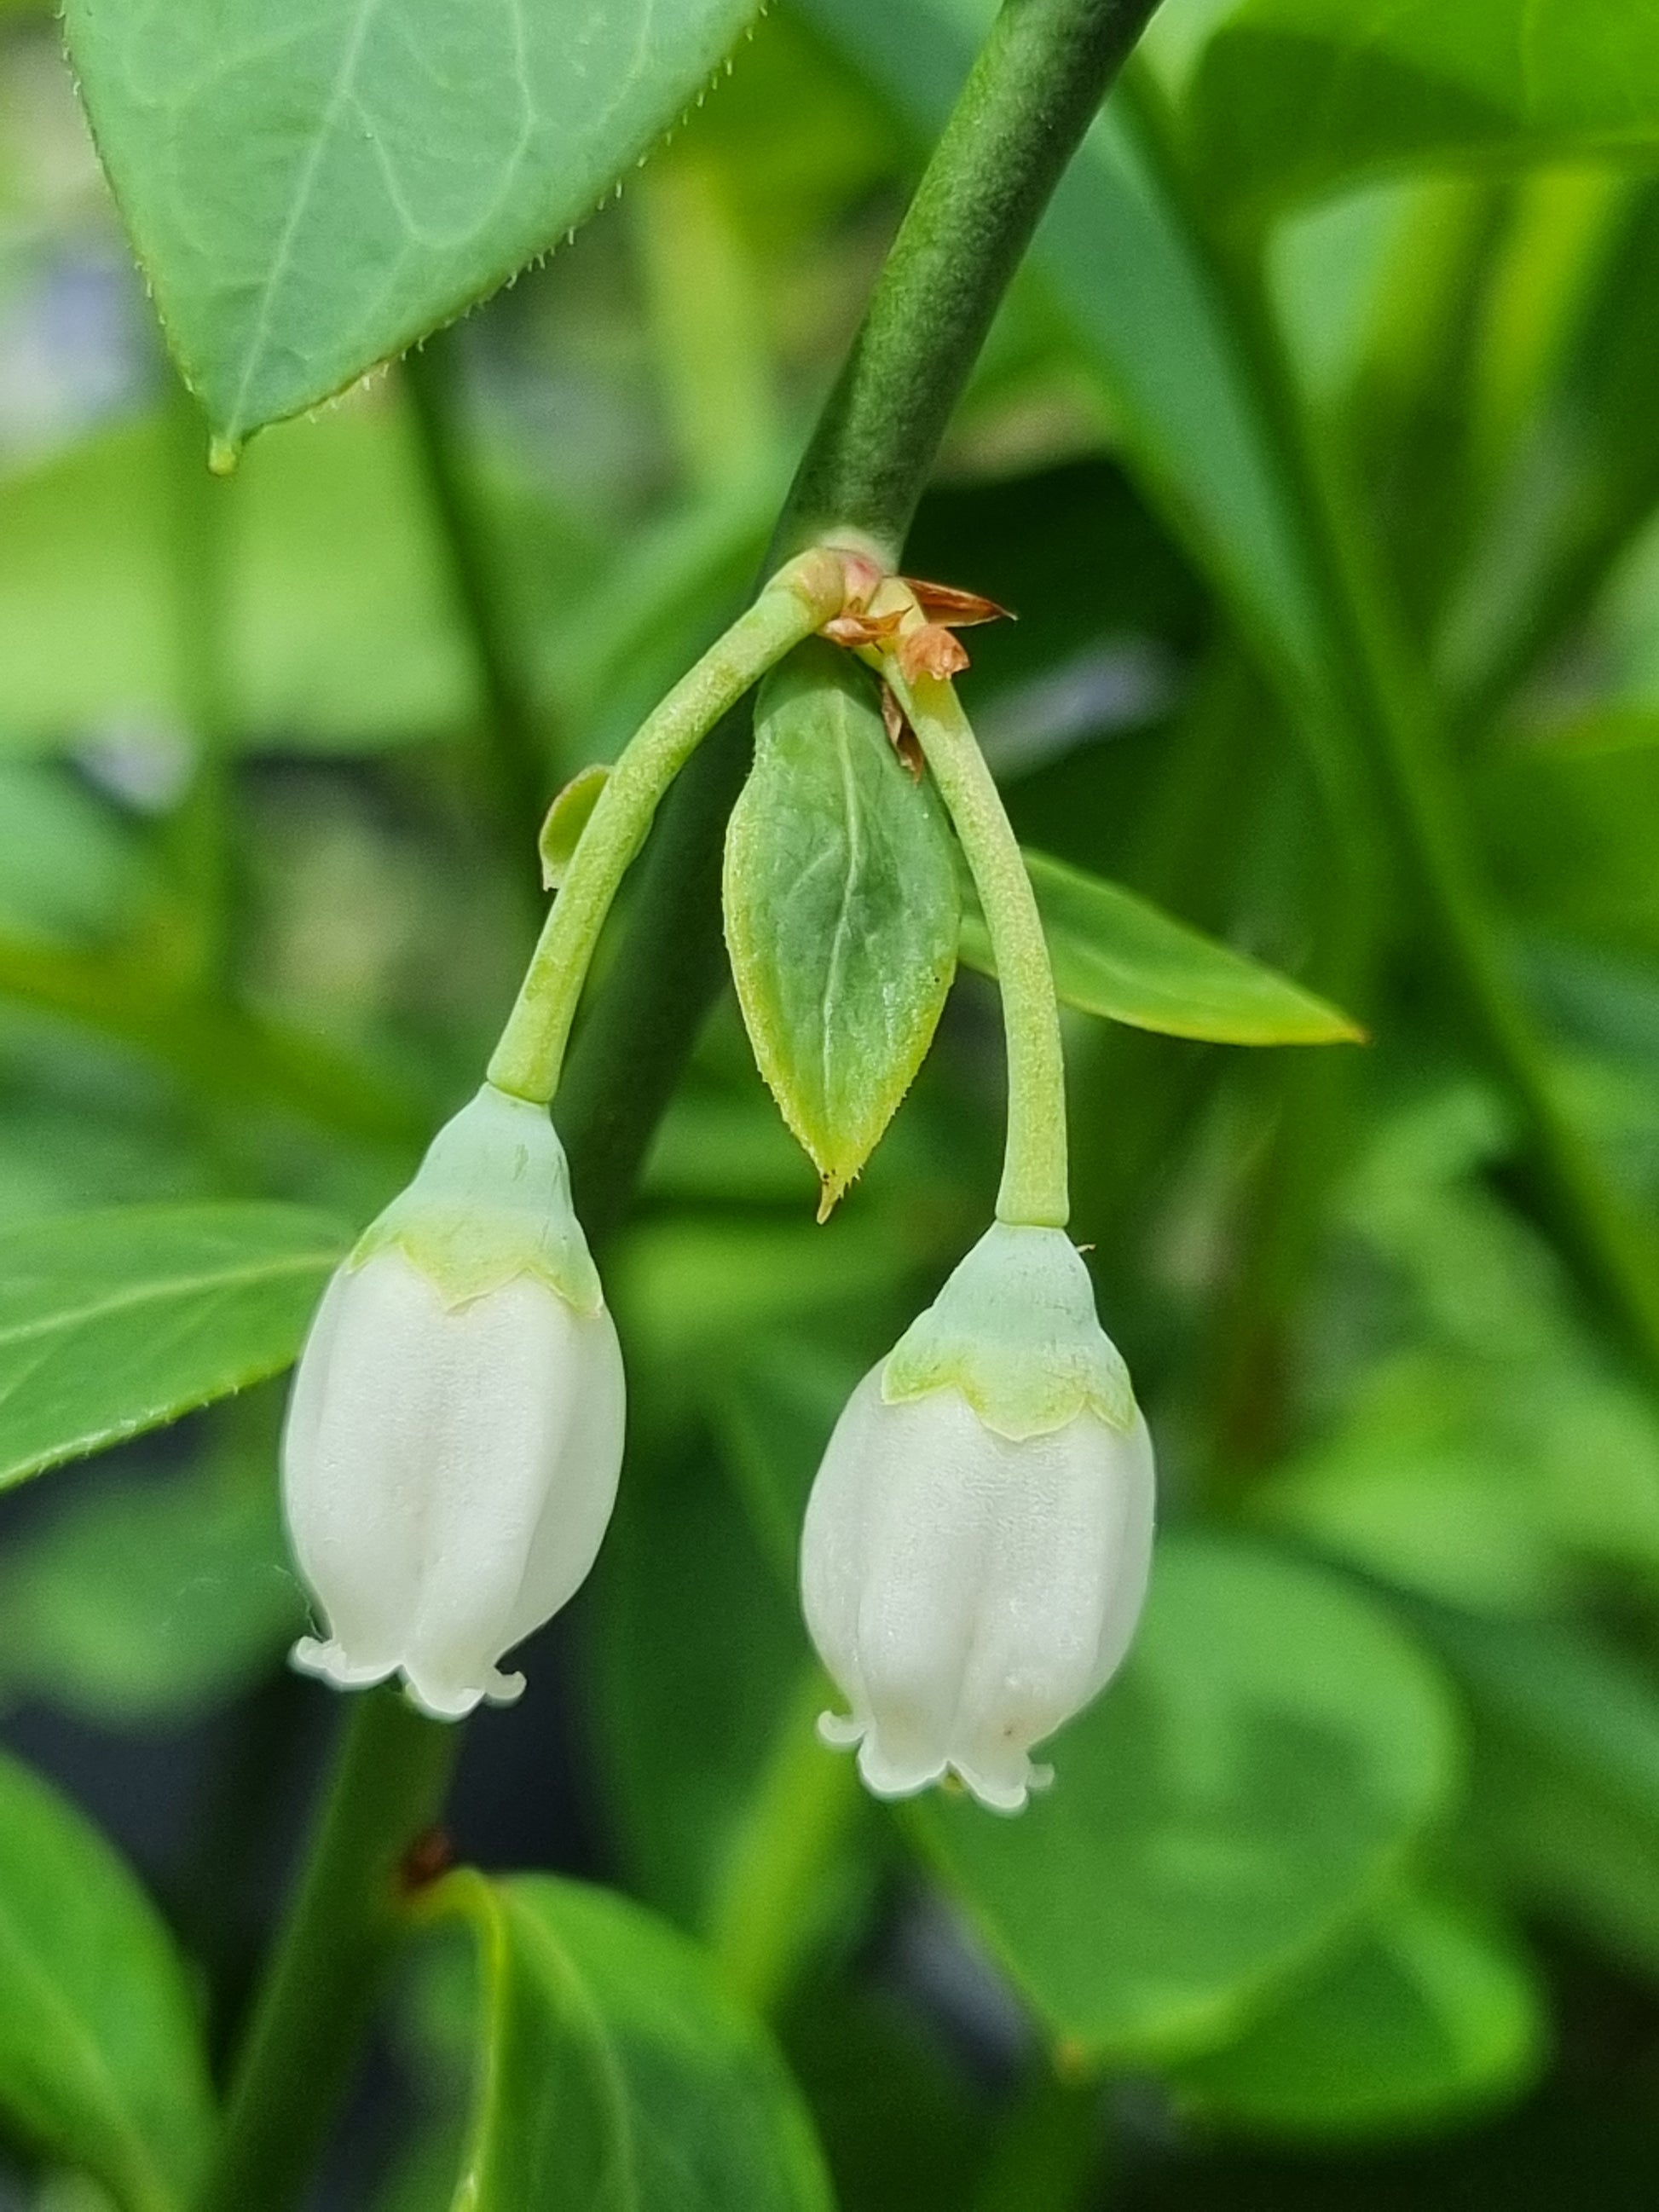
<point x="977" y="1540"/>
<point x="455" y="1429"/>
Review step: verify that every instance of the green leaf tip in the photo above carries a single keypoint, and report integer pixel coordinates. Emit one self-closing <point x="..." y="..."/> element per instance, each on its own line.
<point x="567" y="817"/>
<point x="284" y="197"/>
<point x="1117" y="956"/>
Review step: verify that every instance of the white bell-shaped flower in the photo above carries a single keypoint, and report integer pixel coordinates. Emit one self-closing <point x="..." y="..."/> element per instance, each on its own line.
<point x="977" y="1541"/>
<point x="455" y="1429"/>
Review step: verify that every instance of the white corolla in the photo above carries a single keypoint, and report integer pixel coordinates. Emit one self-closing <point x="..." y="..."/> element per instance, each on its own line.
<point x="977" y="1542"/>
<point x="455" y="1431"/>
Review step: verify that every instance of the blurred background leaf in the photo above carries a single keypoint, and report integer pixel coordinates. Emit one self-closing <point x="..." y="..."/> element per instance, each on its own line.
<point x="1294" y="96"/>
<point x="1425" y="2015"/>
<point x="100" y="2057"/>
<point x="1151" y="1904"/>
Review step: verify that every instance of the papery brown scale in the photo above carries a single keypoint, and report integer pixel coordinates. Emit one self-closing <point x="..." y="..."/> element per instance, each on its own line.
<point x="956" y="610"/>
<point x="856" y="629"/>
<point x="932" y="651"/>
<point x="902" y="738"/>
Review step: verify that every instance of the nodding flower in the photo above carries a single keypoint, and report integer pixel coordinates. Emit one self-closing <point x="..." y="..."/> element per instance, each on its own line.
<point x="978" y="1538"/>
<point x="455" y="1429"/>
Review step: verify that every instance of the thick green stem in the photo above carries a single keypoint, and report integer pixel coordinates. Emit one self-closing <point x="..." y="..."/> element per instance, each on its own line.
<point x="1034" y="1191"/>
<point x="391" y="1770"/>
<point x="1029" y="97"/>
<point x="799" y="599"/>
<point x="512" y="748"/>
<point x="1026" y="104"/>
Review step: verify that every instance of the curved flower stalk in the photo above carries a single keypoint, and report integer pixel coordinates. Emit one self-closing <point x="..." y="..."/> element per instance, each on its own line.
<point x="455" y="1431"/>
<point x="977" y="1545"/>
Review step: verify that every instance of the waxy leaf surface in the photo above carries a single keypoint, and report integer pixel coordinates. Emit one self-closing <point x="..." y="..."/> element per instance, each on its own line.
<point x="1427" y="2014"/>
<point x="311" y="188"/>
<point x="1119" y="956"/>
<point x="1230" y="1807"/>
<point x="841" y="911"/>
<point x="101" y="2054"/>
<point x="613" y="2070"/>
<point x="115" y="1322"/>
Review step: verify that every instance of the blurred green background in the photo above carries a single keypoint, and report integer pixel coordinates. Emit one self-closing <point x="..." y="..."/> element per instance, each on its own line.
<point x="1349" y="1893"/>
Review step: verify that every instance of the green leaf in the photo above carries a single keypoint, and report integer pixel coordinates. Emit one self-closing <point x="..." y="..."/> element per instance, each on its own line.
<point x="841" y="911"/>
<point x="1599" y="729"/>
<point x="116" y="1322"/>
<point x="615" y="2072"/>
<point x="720" y="1817"/>
<point x="101" y="2055"/>
<point x="567" y="817"/>
<point x="1228" y="1808"/>
<point x="1120" y="957"/>
<point x="1566" y="1796"/>
<point x="905" y="2127"/>
<point x="1426" y="2015"/>
<point x="689" y="1720"/>
<point x="1420" y="1483"/>
<point x="306" y="205"/>
<point x="1296" y="97"/>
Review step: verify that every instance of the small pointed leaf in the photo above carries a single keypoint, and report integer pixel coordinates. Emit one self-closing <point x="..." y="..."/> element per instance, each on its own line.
<point x="313" y="187"/>
<point x="614" y="2071"/>
<point x="567" y="818"/>
<point x="1120" y="957"/>
<point x="841" y="911"/>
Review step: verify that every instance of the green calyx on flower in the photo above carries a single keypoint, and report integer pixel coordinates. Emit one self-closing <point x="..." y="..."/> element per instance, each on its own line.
<point x="490" y="1202"/>
<point x="1015" y="1330"/>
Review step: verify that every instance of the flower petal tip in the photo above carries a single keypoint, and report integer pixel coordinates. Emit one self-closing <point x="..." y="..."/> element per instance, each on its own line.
<point x="328" y="1662"/>
<point x="998" y="1793"/>
<point x="887" y="1778"/>
<point x="453" y="1701"/>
